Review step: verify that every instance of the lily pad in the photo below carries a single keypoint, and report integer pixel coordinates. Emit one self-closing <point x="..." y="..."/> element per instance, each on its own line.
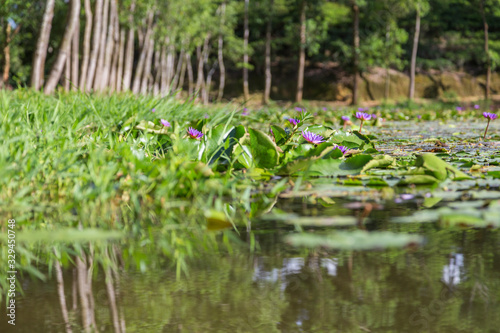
<point x="355" y="240"/>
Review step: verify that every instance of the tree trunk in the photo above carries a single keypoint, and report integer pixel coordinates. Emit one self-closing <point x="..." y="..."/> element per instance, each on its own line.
<point x="119" y="73"/>
<point x="222" y="68"/>
<point x="486" y="51"/>
<point x="163" y="80"/>
<point x="100" y="75"/>
<point x="55" y="73"/>
<point x="355" y="10"/>
<point x="267" y="88"/>
<point x="158" y="71"/>
<point x="41" y="46"/>
<point x="129" y="55"/>
<point x="302" y="56"/>
<point x="413" y="66"/>
<point x="147" y="68"/>
<point x="190" y="74"/>
<point x="142" y="57"/>
<point x="206" y="92"/>
<point x="75" y="51"/>
<point x="116" y="54"/>
<point x="86" y="44"/>
<point x="66" y="78"/>
<point x="387" y="83"/>
<point x="96" y="38"/>
<point x="246" y="34"/>
<point x="180" y="72"/>
<point x="110" y="46"/>
<point x="6" y="52"/>
<point x="199" y="75"/>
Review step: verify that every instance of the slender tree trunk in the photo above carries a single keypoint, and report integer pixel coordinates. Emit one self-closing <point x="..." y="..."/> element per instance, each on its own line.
<point x="267" y="88"/>
<point x="110" y="46"/>
<point x="147" y="67"/>
<point x="158" y="71"/>
<point x="411" y="93"/>
<point x="246" y="35"/>
<point x="56" y="71"/>
<point x="190" y="74"/>
<point x="129" y="53"/>
<point x="119" y="74"/>
<point x="163" y="80"/>
<point x="222" y="67"/>
<point x="66" y="78"/>
<point x="178" y="83"/>
<point x="199" y="75"/>
<point x="206" y="95"/>
<point x="86" y="44"/>
<point x="142" y="57"/>
<point x="355" y="10"/>
<point x="6" y="52"/>
<point x="75" y="51"/>
<point x="100" y="74"/>
<point x="486" y="51"/>
<point x="302" y="55"/>
<point x="116" y="54"/>
<point x="96" y="38"/>
<point x="41" y="46"/>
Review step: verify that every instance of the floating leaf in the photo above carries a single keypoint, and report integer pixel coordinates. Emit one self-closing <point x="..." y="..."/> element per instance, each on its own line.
<point x="355" y="240"/>
<point x="439" y="169"/>
<point x="68" y="235"/>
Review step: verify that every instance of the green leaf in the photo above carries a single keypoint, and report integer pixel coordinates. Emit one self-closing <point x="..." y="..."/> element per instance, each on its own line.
<point x="263" y="149"/>
<point x="355" y="240"/>
<point x="335" y="167"/>
<point x="418" y="180"/>
<point x="279" y="133"/>
<point x="439" y="169"/>
<point x="382" y="161"/>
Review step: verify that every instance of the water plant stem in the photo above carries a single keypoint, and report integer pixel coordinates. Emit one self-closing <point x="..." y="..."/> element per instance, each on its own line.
<point x="486" y="130"/>
<point x="361" y="126"/>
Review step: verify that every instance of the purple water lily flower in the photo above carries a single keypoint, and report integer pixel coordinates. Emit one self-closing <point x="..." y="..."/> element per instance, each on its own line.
<point x="363" y="116"/>
<point x="343" y="149"/>
<point x="476" y="106"/>
<point x="165" y="123"/>
<point x="374" y="116"/>
<point x="245" y="112"/>
<point x="345" y="118"/>
<point x="294" y="122"/>
<point x="459" y="109"/>
<point x="312" y="138"/>
<point x="361" y="109"/>
<point x="153" y="110"/>
<point x="490" y="116"/>
<point x="299" y="109"/>
<point x="194" y="133"/>
<point x="419" y="116"/>
<point x="324" y="108"/>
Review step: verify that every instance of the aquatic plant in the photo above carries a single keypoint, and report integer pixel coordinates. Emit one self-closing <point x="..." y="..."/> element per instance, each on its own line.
<point x="165" y="123"/>
<point x="294" y="121"/>
<point x="312" y="138"/>
<point x="343" y="149"/>
<point x="490" y="116"/>
<point x="362" y="116"/>
<point x="194" y="133"/>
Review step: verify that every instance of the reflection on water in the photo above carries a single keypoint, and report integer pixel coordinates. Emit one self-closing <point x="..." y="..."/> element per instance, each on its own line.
<point x="280" y="289"/>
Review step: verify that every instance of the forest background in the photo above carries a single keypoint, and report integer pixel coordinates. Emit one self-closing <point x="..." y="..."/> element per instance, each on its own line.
<point x="260" y="50"/>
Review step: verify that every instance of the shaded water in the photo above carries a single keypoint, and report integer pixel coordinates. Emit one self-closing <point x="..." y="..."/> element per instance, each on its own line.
<point x="450" y="284"/>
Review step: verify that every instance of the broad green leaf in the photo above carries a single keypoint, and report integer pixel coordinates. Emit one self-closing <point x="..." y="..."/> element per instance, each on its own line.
<point x="355" y="240"/>
<point x="438" y="168"/>
<point x="264" y="151"/>
<point x="279" y="133"/>
<point x="382" y="161"/>
<point x="217" y="220"/>
<point x="335" y="167"/>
